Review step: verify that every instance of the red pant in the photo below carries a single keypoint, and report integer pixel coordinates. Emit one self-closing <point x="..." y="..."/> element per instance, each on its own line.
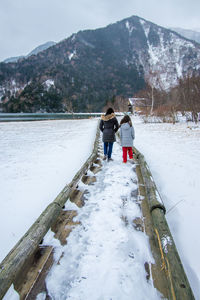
<point x="130" y="153"/>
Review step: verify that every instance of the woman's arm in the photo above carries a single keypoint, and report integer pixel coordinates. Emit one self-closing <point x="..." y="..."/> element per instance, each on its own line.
<point x="116" y="125"/>
<point x="101" y="125"/>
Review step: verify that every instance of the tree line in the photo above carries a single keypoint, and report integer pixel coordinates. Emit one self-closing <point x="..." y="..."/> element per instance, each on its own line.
<point x="184" y="98"/>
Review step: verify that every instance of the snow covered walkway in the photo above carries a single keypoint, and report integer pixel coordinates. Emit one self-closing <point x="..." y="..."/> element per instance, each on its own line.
<point x="105" y="255"/>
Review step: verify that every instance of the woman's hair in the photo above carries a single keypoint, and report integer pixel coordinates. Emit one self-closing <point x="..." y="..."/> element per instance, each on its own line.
<point x="126" y="119"/>
<point x="109" y="111"/>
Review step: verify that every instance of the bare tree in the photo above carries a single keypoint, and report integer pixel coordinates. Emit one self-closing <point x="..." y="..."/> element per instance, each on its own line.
<point x="189" y="95"/>
<point x="154" y="82"/>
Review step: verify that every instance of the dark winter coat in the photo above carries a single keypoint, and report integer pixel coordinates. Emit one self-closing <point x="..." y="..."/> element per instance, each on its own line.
<point x="109" y="126"/>
<point x="127" y="135"/>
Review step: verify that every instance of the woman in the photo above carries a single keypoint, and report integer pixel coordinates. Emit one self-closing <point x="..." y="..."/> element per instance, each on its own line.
<point x="109" y="126"/>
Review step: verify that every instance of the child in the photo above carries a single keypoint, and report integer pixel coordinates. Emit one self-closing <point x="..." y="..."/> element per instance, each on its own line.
<point x="127" y="136"/>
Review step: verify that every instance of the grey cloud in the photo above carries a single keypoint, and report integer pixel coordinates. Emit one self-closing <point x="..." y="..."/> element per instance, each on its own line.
<point x="27" y="24"/>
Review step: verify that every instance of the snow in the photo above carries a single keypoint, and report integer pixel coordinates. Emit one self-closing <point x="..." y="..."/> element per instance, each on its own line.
<point x="129" y="27"/>
<point x="166" y="240"/>
<point x="153" y="56"/>
<point x="146" y="27"/>
<point x="71" y="55"/>
<point x="11" y="294"/>
<point x="12" y="86"/>
<point x="179" y="70"/>
<point x="105" y="250"/>
<point x="38" y="158"/>
<point x="48" y="83"/>
<point x="172" y="153"/>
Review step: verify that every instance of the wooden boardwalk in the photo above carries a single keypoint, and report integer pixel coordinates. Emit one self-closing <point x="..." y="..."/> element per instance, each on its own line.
<point x="29" y="262"/>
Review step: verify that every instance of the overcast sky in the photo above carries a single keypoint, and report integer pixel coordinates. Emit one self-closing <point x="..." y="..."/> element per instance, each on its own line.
<point x="26" y="24"/>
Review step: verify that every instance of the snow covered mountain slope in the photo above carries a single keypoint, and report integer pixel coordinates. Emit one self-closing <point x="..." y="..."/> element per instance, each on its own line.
<point x="166" y="55"/>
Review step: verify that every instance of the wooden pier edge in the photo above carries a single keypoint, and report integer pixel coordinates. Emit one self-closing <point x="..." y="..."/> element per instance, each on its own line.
<point x="178" y="284"/>
<point x="14" y="262"/>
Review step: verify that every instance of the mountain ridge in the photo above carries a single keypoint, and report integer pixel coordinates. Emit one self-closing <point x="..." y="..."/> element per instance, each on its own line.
<point x="188" y="33"/>
<point x="35" y="51"/>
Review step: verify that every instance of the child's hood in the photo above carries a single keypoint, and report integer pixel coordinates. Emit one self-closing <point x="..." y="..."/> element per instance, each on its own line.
<point x="125" y="126"/>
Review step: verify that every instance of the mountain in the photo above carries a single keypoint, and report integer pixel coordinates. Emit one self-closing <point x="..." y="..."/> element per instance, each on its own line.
<point x="189" y="34"/>
<point x="33" y="52"/>
<point x="91" y="67"/>
<point x="41" y="48"/>
<point x="13" y="59"/>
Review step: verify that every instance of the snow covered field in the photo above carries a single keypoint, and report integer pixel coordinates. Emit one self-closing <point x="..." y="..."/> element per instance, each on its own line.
<point x="38" y="158"/>
<point x="173" y="155"/>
